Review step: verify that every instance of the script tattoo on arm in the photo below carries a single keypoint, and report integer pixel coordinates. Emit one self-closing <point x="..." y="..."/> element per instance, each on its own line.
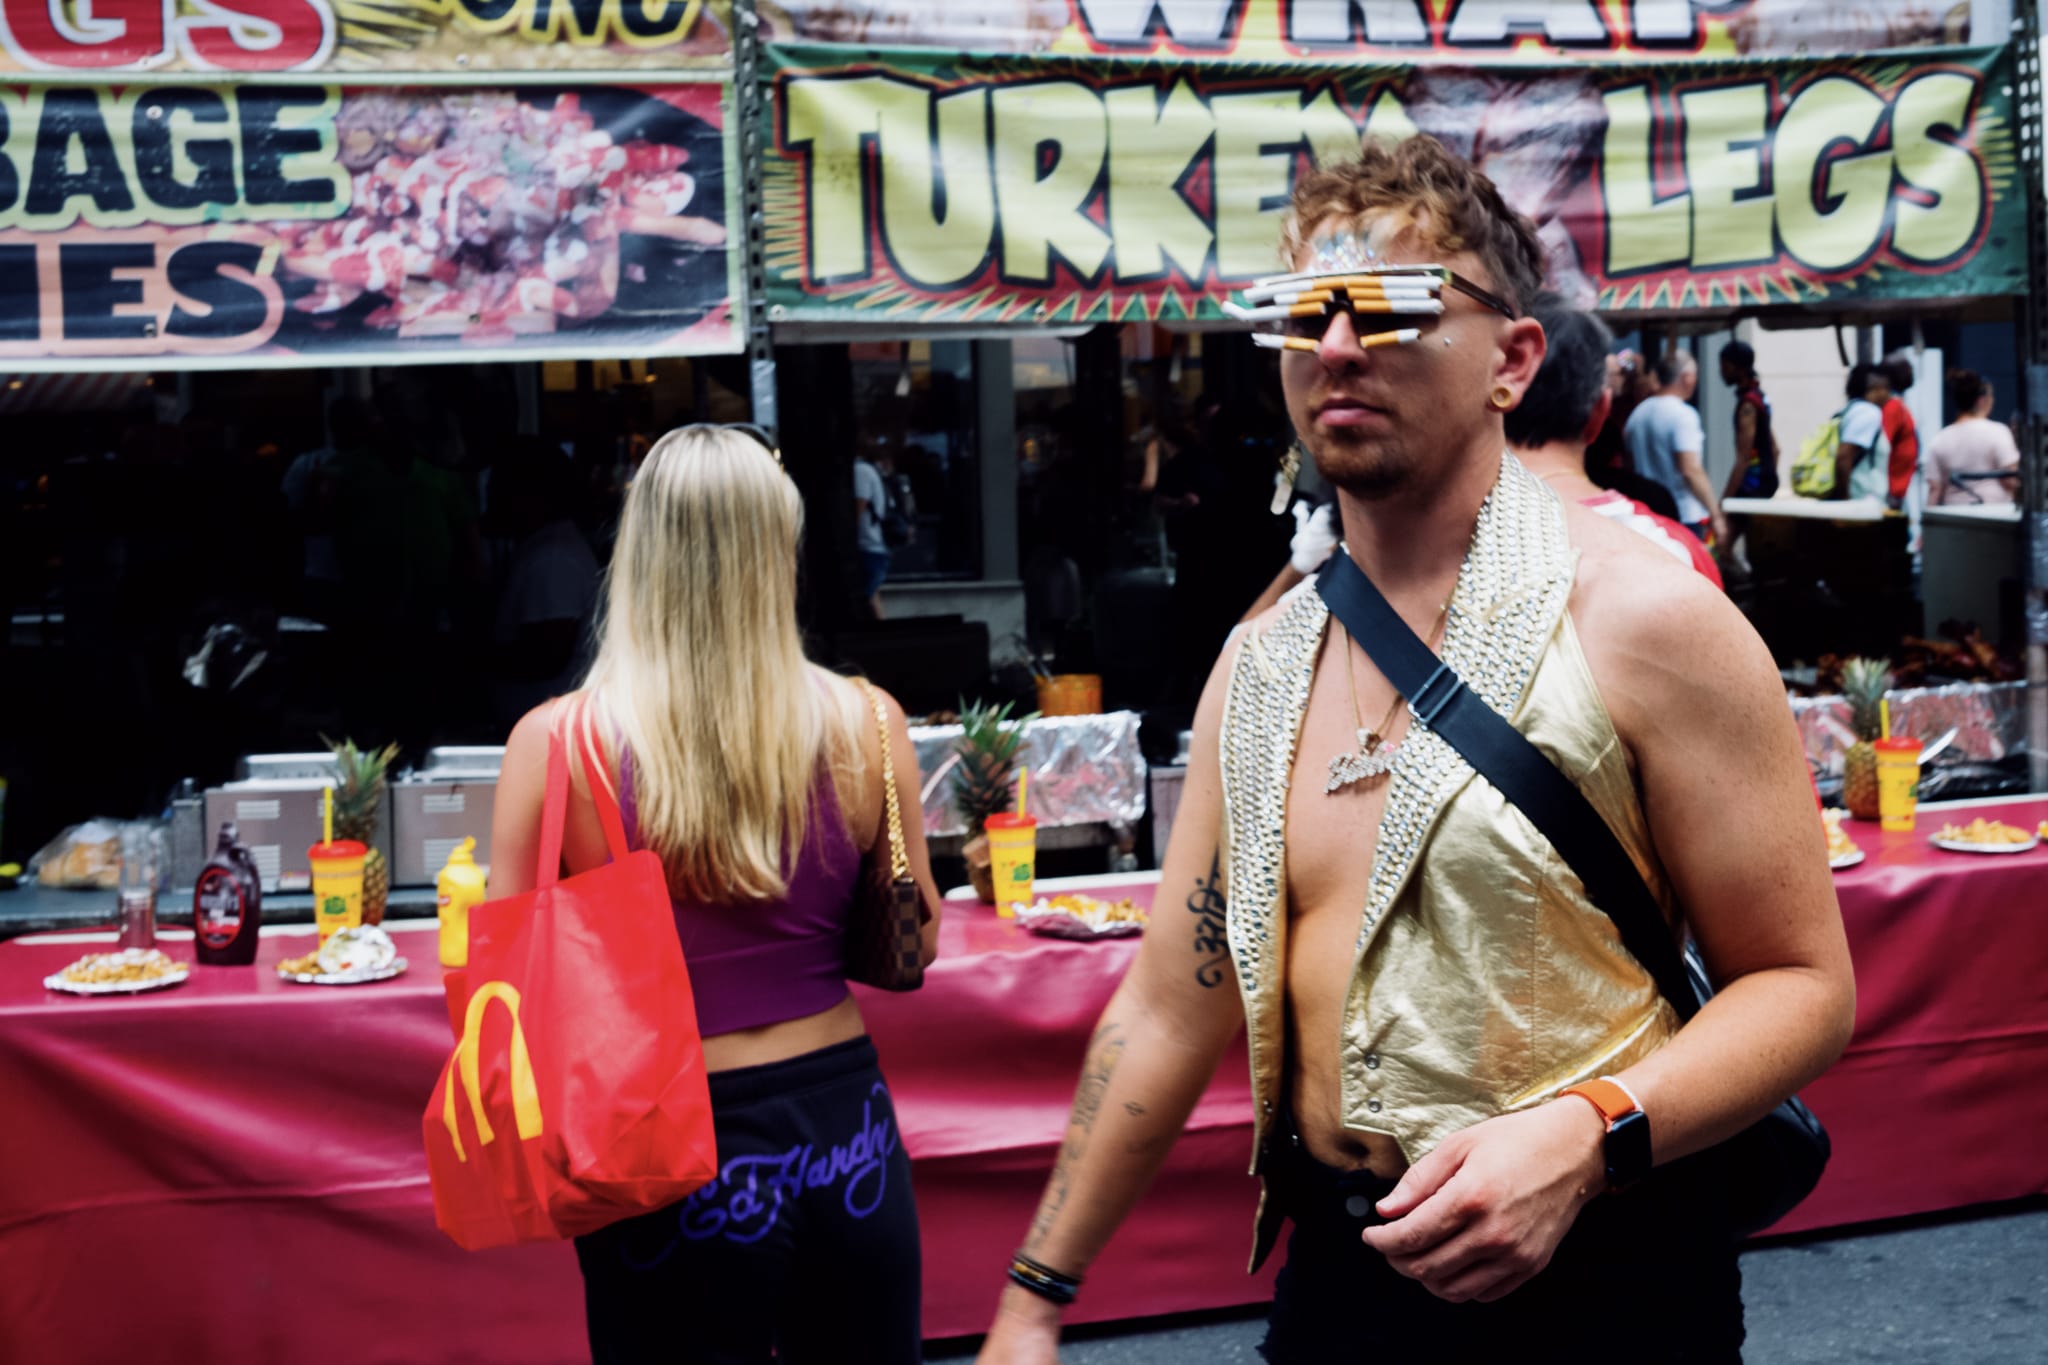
<point x="1212" y="943"/>
<point x="1105" y="1050"/>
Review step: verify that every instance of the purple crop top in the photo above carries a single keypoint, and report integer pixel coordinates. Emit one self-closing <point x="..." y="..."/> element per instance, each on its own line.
<point x="763" y="963"/>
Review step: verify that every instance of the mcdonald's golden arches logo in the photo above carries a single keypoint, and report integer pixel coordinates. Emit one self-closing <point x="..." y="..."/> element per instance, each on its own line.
<point x="526" y="1113"/>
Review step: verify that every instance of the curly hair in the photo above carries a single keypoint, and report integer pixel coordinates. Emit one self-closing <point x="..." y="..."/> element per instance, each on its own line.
<point x="1419" y="185"/>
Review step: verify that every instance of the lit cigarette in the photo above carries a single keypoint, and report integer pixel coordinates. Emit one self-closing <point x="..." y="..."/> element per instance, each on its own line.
<point x="1272" y="342"/>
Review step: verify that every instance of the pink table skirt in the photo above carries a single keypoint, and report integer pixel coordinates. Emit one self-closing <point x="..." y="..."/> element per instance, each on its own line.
<point x="206" y="1173"/>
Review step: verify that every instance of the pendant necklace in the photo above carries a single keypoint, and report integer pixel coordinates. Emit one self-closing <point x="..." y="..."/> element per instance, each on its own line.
<point x="1374" y="756"/>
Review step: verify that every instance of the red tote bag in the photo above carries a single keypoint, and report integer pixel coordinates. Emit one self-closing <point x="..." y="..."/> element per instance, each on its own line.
<point x="576" y="1094"/>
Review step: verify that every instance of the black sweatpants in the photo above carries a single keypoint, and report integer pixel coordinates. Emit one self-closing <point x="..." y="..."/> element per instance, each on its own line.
<point x="803" y="1250"/>
<point x="1648" y="1274"/>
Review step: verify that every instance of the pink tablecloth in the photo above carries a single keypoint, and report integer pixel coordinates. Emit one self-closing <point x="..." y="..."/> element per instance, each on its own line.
<point x="204" y="1174"/>
<point x="227" y="1160"/>
<point x="1942" y="1098"/>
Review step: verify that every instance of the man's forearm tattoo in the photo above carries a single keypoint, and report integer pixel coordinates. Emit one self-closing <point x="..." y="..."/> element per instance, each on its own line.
<point x="1105" y="1050"/>
<point x="1212" y="942"/>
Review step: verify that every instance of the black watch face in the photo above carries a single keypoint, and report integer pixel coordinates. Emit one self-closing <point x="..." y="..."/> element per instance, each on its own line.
<point x="1628" y="1150"/>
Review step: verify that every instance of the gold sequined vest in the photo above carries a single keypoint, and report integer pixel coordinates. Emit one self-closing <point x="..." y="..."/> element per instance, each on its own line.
<point x="1484" y="980"/>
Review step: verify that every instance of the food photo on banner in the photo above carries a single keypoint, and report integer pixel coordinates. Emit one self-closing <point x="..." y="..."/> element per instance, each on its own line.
<point x="448" y="38"/>
<point x="1410" y="30"/>
<point x="253" y="224"/>
<point x="1049" y="190"/>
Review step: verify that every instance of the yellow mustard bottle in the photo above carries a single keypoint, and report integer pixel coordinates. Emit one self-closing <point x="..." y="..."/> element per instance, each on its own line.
<point x="459" y="887"/>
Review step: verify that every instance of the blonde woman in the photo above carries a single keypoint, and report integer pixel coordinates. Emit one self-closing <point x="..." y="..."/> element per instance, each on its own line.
<point x="757" y="777"/>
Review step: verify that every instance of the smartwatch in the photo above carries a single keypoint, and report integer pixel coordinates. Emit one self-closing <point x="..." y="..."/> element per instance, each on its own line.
<point x="1627" y="1145"/>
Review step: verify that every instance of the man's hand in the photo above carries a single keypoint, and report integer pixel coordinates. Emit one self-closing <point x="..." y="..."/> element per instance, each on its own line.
<point x="1026" y="1331"/>
<point x="1478" y="1217"/>
<point x="1718" y="522"/>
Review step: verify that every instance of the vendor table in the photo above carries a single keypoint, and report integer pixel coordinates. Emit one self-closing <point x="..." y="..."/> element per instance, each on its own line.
<point x="230" y="1170"/>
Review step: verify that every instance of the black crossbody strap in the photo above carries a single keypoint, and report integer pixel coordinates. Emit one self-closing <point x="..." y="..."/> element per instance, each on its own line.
<point x="1500" y="753"/>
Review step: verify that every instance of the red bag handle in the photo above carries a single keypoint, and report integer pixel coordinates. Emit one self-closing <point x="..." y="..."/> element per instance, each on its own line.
<point x="554" y="813"/>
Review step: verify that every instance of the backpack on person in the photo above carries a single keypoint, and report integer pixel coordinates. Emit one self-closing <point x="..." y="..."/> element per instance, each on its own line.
<point x="1813" y="472"/>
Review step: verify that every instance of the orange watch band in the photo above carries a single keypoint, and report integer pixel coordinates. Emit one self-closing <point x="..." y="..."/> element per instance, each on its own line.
<point x="1612" y="1100"/>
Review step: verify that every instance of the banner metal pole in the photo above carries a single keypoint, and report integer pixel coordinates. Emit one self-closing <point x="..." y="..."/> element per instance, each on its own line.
<point x="2026" y="37"/>
<point x="752" y="114"/>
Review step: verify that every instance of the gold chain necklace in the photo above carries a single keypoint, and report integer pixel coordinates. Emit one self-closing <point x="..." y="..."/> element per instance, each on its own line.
<point x="1374" y="756"/>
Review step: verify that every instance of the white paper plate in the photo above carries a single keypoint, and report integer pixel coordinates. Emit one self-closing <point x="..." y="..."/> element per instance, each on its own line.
<point x="1846" y="860"/>
<point x="1956" y="846"/>
<point x="58" y="983"/>
<point x="361" y="977"/>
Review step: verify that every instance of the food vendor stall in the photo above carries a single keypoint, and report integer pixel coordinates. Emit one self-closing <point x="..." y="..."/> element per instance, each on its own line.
<point x="247" y="1122"/>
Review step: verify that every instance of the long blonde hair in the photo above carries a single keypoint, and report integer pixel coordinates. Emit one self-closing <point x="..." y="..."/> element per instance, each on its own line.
<point x="700" y="668"/>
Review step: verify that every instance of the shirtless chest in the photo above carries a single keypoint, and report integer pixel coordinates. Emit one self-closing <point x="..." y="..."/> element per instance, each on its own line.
<point x="1332" y="839"/>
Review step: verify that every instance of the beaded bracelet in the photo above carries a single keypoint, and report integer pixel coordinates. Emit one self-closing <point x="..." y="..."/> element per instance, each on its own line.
<point x="1043" y="1280"/>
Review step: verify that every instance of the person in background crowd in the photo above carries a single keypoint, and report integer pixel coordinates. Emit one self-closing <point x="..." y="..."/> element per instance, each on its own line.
<point x="757" y="778"/>
<point x="1377" y="939"/>
<point x="1972" y="444"/>
<point x="1665" y="440"/>
<point x="1629" y="382"/>
<point x="1756" y="450"/>
<point x="871" y="510"/>
<point x="1561" y="409"/>
<point x="1862" y="468"/>
<point x="1608" y="450"/>
<point x="1899" y="430"/>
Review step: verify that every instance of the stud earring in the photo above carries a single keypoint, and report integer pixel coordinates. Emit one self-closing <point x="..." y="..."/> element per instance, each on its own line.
<point x="1284" y="477"/>
<point x="1502" y="398"/>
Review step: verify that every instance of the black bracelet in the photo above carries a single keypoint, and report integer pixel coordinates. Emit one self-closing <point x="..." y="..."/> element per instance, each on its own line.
<point x="1043" y="1280"/>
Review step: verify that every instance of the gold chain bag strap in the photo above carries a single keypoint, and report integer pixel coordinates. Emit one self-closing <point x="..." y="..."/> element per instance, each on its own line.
<point x="884" y="938"/>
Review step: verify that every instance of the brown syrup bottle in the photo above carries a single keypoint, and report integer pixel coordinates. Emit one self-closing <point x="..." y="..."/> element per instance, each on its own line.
<point x="227" y="905"/>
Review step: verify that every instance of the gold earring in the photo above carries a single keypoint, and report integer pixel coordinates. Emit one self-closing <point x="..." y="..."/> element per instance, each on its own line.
<point x="1502" y="398"/>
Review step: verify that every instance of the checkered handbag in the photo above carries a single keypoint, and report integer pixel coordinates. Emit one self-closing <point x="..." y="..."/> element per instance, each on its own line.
<point x="884" y="937"/>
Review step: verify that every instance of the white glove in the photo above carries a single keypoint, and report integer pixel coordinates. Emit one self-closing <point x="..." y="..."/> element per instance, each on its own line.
<point x="1315" y="536"/>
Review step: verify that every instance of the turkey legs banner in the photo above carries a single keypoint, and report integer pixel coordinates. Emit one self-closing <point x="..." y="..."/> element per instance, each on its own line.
<point x="1048" y="190"/>
<point x="167" y="226"/>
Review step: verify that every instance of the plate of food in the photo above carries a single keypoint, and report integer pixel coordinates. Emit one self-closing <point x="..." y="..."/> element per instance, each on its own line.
<point x="1842" y="850"/>
<point x="1983" y="836"/>
<point x="127" y="972"/>
<point x="350" y="957"/>
<point x="1082" y="917"/>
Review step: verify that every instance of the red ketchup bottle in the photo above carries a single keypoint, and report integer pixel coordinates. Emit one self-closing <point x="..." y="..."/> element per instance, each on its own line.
<point x="227" y="905"/>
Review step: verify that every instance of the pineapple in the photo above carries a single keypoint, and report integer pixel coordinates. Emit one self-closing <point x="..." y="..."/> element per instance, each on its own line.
<point x="985" y="780"/>
<point x="357" y="801"/>
<point x="1864" y="682"/>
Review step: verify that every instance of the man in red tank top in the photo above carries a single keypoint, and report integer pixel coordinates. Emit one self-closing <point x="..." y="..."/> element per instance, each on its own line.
<point x="1900" y="431"/>
<point x="1559" y="416"/>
